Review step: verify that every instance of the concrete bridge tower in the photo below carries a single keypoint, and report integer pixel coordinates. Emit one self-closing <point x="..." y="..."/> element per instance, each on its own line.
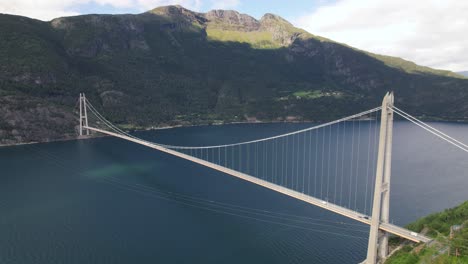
<point x="377" y="250"/>
<point x="83" y="114"/>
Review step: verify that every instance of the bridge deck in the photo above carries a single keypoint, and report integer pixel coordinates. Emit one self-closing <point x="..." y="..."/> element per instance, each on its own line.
<point x="390" y="228"/>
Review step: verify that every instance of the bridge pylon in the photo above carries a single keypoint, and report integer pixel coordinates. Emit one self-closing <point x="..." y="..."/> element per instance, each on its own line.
<point x="83" y="114"/>
<point x="377" y="249"/>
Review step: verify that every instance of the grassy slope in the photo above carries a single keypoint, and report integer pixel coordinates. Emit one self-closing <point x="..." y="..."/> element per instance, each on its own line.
<point x="257" y="39"/>
<point x="438" y="226"/>
<point x="411" y="67"/>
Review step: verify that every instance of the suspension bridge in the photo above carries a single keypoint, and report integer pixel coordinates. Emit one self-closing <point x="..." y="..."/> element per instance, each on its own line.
<point x="309" y="165"/>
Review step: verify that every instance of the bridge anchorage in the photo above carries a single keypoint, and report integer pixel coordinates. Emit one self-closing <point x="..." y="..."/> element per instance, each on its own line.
<point x="299" y="164"/>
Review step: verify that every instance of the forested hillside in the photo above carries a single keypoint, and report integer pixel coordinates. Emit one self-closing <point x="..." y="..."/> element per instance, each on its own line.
<point x="172" y="66"/>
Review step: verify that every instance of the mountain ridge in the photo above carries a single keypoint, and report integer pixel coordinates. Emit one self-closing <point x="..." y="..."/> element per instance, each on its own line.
<point x="173" y="66"/>
<point x="391" y="61"/>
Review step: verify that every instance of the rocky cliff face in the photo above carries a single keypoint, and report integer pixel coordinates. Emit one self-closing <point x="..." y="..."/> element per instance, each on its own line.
<point x="283" y="31"/>
<point x="233" y="20"/>
<point x="174" y="66"/>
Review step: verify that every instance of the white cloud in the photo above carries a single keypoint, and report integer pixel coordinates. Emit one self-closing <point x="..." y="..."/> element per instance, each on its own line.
<point x="225" y="4"/>
<point x="43" y="10"/>
<point x="114" y="3"/>
<point x="150" y="4"/>
<point x="49" y="9"/>
<point x="431" y="33"/>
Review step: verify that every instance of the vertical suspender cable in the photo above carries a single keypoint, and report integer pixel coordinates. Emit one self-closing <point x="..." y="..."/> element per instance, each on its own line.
<point x="336" y="161"/>
<point x="303" y="161"/>
<point x="352" y="168"/>
<point x="263" y="161"/>
<point x="297" y="163"/>
<point x="343" y="162"/>
<point x="310" y="158"/>
<point x="276" y="162"/>
<point x="368" y="164"/>
<point x="328" y="162"/>
<point x="375" y="149"/>
<point x="321" y="168"/>
<point x="287" y="160"/>
<point x="274" y="170"/>
<point x="316" y="163"/>
<point x="256" y="160"/>
<point x="240" y="158"/>
<point x="293" y="161"/>
<point x="283" y="154"/>
<point x="248" y="159"/>
<point x="232" y="157"/>
<point x="357" y="163"/>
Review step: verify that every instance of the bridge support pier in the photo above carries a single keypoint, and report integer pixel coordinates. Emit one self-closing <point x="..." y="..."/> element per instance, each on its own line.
<point x="83" y="114"/>
<point x="377" y="249"/>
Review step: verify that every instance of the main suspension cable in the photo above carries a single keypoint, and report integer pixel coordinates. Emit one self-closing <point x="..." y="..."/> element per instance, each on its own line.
<point x="431" y="129"/>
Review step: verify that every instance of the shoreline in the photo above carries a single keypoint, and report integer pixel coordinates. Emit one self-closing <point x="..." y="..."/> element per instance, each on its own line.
<point x="184" y="126"/>
<point x="43" y="142"/>
<point x="148" y="129"/>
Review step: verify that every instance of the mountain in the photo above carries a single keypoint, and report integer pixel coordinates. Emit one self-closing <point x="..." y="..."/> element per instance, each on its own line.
<point x="173" y="66"/>
<point x="464" y="73"/>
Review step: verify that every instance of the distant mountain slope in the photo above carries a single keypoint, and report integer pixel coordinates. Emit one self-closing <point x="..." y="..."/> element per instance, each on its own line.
<point x="464" y="73"/>
<point x="412" y="67"/>
<point x="174" y="66"/>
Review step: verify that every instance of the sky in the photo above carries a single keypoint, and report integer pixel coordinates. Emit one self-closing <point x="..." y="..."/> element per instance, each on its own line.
<point x="432" y="33"/>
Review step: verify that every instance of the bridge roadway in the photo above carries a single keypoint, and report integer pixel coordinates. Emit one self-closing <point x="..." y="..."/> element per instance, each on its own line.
<point x="390" y="228"/>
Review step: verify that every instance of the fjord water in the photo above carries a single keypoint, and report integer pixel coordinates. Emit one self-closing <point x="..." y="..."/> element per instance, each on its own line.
<point x="105" y="200"/>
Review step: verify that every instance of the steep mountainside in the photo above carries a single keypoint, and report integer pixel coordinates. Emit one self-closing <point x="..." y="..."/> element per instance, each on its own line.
<point x="173" y="66"/>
